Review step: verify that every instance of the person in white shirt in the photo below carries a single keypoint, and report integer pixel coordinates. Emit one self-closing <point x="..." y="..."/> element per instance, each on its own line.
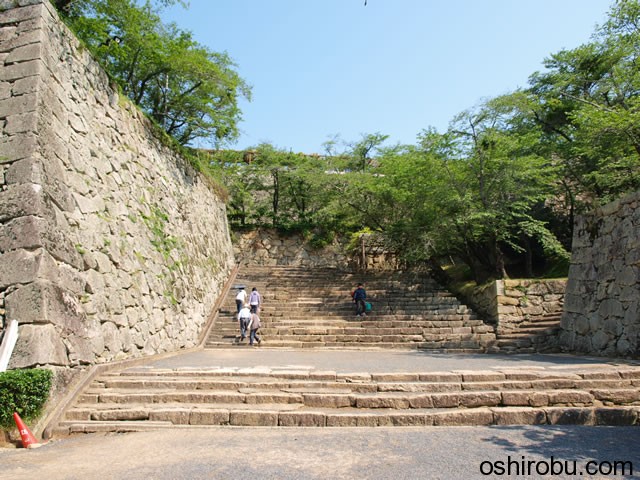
<point x="241" y="298"/>
<point x="244" y="316"/>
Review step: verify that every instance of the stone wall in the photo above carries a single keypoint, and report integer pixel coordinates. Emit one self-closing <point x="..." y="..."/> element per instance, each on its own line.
<point x="111" y="246"/>
<point x="483" y="299"/>
<point x="268" y="247"/>
<point x="602" y="304"/>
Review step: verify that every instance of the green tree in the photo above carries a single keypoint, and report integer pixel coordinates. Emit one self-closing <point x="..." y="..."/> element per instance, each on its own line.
<point x="490" y="181"/>
<point x="589" y="107"/>
<point x="364" y="149"/>
<point x="189" y="90"/>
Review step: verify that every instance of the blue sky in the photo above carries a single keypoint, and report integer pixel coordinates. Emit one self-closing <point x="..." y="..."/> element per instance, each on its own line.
<point x="325" y="67"/>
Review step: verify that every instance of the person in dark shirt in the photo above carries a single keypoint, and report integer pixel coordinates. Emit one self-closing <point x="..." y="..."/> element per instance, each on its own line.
<point x="359" y="296"/>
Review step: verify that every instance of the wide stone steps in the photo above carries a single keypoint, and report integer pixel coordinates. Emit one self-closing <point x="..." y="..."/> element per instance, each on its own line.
<point x="137" y="400"/>
<point x="313" y="309"/>
<point x="453" y="335"/>
<point x="334" y="327"/>
<point x="201" y="417"/>
<point x="445" y="342"/>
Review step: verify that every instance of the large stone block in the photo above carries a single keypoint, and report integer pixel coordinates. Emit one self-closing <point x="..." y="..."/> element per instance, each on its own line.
<point x="24" y="53"/>
<point x="617" y="416"/>
<point x="18" y="71"/>
<point x="256" y="418"/>
<point x="574" y="303"/>
<point x="38" y="345"/>
<point x="43" y="302"/>
<point x="13" y="39"/>
<point x="22" y="200"/>
<point x="17" y="147"/>
<point x="472" y="417"/>
<point x="25" y="85"/>
<point x="570" y="416"/>
<point x="302" y="419"/>
<point x="18" y="105"/>
<point x="22" y="123"/>
<point x="13" y="11"/>
<point x="22" y="267"/>
<point x="177" y="416"/>
<point x="519" y="416"/>
<point x="48" y="174"/>
<point x="378" y="401"/>
<point x="601" y="340"/>
<point x="201" y="416"/>
<point x="34" y="232"/>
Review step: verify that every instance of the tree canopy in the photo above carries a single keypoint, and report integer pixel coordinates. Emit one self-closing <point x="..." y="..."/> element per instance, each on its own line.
<point x="189" y="90"/>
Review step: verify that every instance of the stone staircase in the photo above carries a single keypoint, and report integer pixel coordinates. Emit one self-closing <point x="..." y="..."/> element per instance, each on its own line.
<point x="312" y="308"/>
<point x="530" y="335"/>
<point x="142" y="398"/>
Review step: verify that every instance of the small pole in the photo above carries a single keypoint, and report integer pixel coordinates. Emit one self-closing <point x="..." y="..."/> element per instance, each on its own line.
<point x="8" y="342"/>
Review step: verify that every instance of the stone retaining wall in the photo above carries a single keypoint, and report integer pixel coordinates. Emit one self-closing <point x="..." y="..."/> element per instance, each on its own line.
<point x="521" y="301"/>
<point x="111" y="246"/>
<point x="514" y="303"/>
<point x="602" y="305"/>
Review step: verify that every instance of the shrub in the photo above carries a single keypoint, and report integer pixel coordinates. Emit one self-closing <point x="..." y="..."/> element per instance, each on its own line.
<point x="25" y="392"/>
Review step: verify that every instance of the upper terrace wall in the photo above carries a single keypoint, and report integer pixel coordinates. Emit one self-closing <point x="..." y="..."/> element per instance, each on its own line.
<point x="111" y="246"/>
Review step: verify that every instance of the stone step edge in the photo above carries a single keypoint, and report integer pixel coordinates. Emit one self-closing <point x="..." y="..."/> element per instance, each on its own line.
<point x="396" y="400"/>
<point x="529" y="396"/>
<point x="152" y="384"/>
<point x="614" y="416"/>
<point x="354" y="346"/>
<point x="292" y="373"/>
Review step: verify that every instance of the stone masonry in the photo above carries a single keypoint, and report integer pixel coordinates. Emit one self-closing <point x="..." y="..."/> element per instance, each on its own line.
<point x="266" y="247"/>
<point x="520" y="300"/>
<point x="602" y="301"/>
<point x="526" y="312"/>
<point x="111" y="246"/>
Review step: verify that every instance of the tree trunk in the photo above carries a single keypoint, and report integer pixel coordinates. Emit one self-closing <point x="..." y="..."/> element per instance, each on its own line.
<point x="528" y="262"/>
<point x="276" y="196"/>
<point x="438" y="272"/>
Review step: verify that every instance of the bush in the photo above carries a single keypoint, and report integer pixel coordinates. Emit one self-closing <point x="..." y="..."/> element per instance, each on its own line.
<point x="25" y="392"/>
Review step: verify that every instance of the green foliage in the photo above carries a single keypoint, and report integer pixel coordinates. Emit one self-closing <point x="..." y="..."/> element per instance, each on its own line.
<point x="588" y="105"/>
<point x="24" y="392"/>
<point x="156" y="222"/>
<point x="292" y="192"/>
<point x="362" y="150"/>
<point x="189" y="90"/>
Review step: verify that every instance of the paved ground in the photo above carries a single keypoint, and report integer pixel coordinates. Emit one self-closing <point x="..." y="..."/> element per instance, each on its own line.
<point x="323" y="453"/>
<point x="354" y="453"/>
<point x="372" y="361"/>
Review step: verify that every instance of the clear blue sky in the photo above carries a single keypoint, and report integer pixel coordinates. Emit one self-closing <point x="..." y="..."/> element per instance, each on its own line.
<point x="325" y="67"/>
